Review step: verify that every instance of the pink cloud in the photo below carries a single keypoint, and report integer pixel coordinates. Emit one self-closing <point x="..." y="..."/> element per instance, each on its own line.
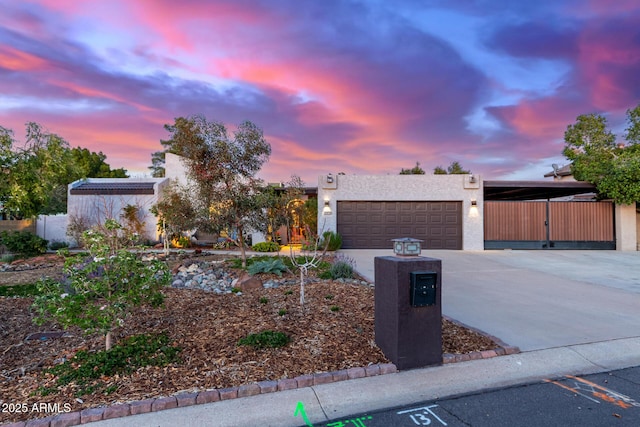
<point x="16" y="60"/>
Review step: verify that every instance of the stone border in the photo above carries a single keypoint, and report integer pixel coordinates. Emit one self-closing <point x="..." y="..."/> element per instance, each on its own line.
<point x="207" y="396"/>
<point x="214" y="395"/>
<point x="501" y="350"/>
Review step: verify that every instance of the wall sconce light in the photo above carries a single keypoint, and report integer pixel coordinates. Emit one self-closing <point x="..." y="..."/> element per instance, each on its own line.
<point x="472" y="179"/>
<point x="329" y="179"/>
<point x="474" y="203"/>
<point x="327" y="208"/>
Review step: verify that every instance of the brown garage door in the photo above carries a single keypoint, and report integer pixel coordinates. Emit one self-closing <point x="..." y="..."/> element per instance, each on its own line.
<point x="372" y="224"/>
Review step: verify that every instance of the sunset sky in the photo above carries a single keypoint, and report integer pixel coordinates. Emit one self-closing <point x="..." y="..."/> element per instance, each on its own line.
<point x="361" y="87"/>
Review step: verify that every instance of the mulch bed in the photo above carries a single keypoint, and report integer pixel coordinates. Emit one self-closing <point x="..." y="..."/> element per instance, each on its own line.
<point x="207" y="328"/>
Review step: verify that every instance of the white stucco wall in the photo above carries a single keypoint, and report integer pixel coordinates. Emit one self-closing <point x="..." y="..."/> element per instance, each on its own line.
<point x="406" y="188"/>
<point x="175" y="169"/>
<point x="626" y="233"/>
<point x="97" y="208"/>
<point x="52" y="227"/>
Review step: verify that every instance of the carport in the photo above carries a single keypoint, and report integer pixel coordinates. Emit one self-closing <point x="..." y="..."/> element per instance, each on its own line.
<point x="529" y="215"/>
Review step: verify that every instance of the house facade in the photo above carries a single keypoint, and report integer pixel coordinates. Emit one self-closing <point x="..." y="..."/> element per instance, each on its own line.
<point x="465" y="212"/>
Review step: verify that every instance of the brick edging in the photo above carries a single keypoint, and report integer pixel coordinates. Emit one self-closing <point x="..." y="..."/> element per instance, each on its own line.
<point x="501" y="350"/>
<point x="214" y="395"/>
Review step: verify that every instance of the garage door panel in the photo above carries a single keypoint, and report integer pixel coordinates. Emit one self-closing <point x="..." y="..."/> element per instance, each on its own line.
<point x="373" y="224"/>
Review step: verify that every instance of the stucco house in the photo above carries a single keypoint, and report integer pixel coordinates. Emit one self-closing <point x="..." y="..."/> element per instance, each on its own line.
<point x="466" y="212"/>
<point x="93" y="200"/>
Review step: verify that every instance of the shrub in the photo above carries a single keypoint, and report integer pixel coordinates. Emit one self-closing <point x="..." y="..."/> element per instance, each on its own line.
<point x="23" y="243"/>
<point x="57" y="245"/>
<point x="273" y="265"/>
<point x="334" y="308"/>
<point x="266" y="247"/>
<point x="266" y="339"/>
<point x="341" y="270"/>
<point x="7" y="258"/>
<point x="264" y="300"/>
<point x="331" y="240"/>
<point x="181" y="242"/>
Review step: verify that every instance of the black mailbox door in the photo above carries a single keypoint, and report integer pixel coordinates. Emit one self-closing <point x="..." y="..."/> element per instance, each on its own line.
<point x="423" y="288"/>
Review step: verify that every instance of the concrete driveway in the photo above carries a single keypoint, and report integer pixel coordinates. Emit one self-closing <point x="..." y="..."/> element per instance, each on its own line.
<point x="537" y="299"/>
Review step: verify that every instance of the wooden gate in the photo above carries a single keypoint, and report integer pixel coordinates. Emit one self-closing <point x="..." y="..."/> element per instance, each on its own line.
<point x="548" y="225"/>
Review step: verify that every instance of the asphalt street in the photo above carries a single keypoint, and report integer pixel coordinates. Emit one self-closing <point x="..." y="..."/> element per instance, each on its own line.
<point x="606" y="399"/>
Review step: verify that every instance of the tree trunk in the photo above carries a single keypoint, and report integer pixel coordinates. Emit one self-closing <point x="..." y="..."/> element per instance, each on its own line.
<point x="243" y="254"/>
<point x="108" y="341"/>
<point x="301" y="286"/>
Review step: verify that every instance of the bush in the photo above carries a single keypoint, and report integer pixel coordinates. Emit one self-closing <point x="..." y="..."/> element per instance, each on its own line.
<point x="23" y="243"/>
<point x="266" y="247"/>
<point x="264" y="339"/>
<point x="274" y="265"/>
<point x="331" y="240"/>
<point x="181" y="242"/>
<point x="57" y="245"/>
<point x="341" y="270"/>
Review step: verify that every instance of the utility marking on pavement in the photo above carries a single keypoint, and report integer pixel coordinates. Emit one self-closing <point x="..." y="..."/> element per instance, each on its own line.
<point x="422" y="419"/>
<point x="300" y="411"/>
<point x="597" y="391"/>
<point x="357" y="422"/>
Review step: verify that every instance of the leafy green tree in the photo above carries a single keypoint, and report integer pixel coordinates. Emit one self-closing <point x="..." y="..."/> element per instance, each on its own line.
<point x="416" y="170"/>
<point x="37" y="173"/>
<point x="453" y="169"/>
<point x="93" y="165"/>
<point x="614" y="168"/>
<point x="101" y="291"/>
<point x="226" y="193"/>
<point x="7" y="159"/>
<point x="157" y="164"/>
<point x="175" y="212"/>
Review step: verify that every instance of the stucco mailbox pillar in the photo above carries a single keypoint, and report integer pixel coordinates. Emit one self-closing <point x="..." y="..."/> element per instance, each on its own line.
<point x="408" y="310"/>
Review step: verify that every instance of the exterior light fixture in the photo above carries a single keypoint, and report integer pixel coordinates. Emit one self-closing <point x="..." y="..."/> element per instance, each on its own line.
<point x="474" y="203"/>
<point x="472" y="179"/>
<point x="406" y="246"/>
<point x="326" y="210"/>
<point x="329" y="179"/>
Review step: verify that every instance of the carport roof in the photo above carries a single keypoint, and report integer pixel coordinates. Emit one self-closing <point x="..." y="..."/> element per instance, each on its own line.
<point x="534" y="190"/>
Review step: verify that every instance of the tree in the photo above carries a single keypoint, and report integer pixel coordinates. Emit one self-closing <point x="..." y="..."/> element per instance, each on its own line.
<point x="157" y="164"/>
<point x="453" y="169"/>
<point x="93" y="165"/>
<point x="416" y="170"/>
<point x="226" y="193"/>
<point x="37" y="174"/>
<point x="614" y="168"/>
<point x="99" y="292"/>
<point x="176" y="213"/>
<point x="6" y="162"/>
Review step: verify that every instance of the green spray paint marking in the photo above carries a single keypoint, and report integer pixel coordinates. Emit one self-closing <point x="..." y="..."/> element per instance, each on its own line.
<point x="300" y="411"/>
